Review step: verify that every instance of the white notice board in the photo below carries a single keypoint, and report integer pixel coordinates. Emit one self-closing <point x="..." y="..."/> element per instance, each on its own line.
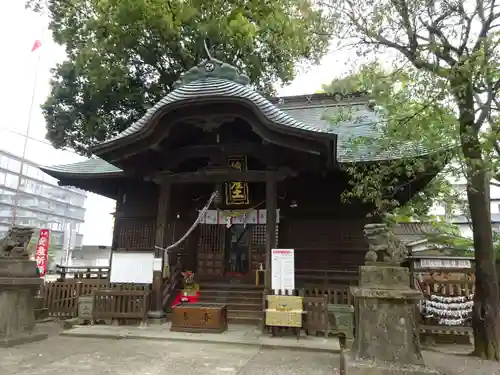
<point x="283" y="269"/>
<point x="131" y="268"/>
<point x="445" y="263"/>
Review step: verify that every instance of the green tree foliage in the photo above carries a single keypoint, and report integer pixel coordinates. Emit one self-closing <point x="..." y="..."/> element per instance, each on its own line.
<point x="411" y="113"/>
<point x="453" y="47"/>
<point x="125" y="55"/>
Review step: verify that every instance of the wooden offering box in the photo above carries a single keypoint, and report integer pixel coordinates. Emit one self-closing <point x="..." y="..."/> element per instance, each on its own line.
<point x="199" y="317"/>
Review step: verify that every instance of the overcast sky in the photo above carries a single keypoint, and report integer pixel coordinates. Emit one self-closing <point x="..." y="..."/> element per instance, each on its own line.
<point x="20" y="69"/>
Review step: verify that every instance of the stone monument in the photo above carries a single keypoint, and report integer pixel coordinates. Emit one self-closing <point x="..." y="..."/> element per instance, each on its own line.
<point x="19" y="282"/>
<point x="387" y="337"/>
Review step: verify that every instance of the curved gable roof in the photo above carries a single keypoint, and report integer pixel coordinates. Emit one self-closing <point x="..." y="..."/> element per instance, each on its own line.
<point x="214" y="87"/>
<point x="213" y="79"/>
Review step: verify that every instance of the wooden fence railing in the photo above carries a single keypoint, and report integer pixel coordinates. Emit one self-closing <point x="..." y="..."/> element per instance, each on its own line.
<point x="171" y="284"/>
<point x="115" y="304"/>
<point x="326" y="277"/>
<point x="82" y="272"/>
<point x="61" y="297"/>
<point x="448" y="288"/>
<point x="317" y="317"/>
<point x="336" y="294"/>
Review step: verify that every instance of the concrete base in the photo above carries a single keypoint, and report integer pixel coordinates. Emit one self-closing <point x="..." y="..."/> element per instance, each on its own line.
<point x="361" y="368"/>
<point x="156" y="314"/>
<point x="236" y="334"/>
<point x="157" y="321"/>
<point x="22" y="339"/>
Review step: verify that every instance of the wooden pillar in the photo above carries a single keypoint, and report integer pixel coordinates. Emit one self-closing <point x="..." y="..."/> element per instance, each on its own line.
<point x="161" y="240"/>
<point x="271" y="206"/>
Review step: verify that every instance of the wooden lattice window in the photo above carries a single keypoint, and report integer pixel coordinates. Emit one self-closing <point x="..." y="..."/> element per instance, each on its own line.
<point x="211" y="250"/>
<point x="258" y="247"/>
<point x="259" y="234"/>
<point x="212" y="238"/>
<point x="136" y="233"/>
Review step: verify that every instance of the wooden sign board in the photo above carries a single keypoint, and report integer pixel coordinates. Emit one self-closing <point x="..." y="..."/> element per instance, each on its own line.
<point x="237" y="191"/>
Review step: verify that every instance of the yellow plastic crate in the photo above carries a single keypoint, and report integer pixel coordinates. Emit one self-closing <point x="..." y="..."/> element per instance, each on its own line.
<point x="284" y="318"/>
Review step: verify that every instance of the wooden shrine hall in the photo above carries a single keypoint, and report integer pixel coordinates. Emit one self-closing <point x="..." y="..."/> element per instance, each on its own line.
<point x="276" y="165"/>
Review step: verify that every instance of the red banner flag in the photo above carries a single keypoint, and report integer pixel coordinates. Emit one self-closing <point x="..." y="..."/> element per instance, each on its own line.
<point x="36" y="45"/>
<point x="42" y="252"/>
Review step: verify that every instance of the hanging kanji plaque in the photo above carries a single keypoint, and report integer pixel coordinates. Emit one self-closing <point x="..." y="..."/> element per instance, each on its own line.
<point x="237" y="191"/>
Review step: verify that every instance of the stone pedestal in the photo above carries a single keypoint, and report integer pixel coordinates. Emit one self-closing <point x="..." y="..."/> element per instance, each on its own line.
<point x="19" y="283"/>
<point x="387" y="338"/>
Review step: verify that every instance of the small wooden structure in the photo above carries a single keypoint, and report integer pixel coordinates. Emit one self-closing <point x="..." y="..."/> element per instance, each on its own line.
<point x="284" y="312"/>
<point x="199" y="317"/>
<point x="116" y="304"/>
<point x="277" y="165"/>
<point x="317" y="318"/>
<point x="60" y="298"/>
<point x="447" y="277"/>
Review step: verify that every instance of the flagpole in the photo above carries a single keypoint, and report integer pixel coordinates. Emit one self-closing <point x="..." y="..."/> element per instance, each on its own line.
<point x="23" y="158"/>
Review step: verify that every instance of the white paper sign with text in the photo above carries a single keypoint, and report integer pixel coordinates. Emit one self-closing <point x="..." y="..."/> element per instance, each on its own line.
<point x="283" y="269"/>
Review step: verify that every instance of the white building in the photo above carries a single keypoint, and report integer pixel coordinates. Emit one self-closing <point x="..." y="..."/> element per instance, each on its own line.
<point x="457" y="216"/>
<point x="42" y="204"/>
<point x="91" y="256"/>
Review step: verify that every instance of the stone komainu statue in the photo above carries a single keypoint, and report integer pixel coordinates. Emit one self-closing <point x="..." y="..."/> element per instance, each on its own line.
<point x="15" y="243"/>
<point x="383" y="244"/>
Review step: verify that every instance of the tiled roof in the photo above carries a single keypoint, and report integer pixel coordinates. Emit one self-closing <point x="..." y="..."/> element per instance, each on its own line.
<point x="216" y="88"/>
<point x="362" y="123"/>
<point x="88" y="167"/>
<point x="313" y="116"/>
<point x="410" y="232"/>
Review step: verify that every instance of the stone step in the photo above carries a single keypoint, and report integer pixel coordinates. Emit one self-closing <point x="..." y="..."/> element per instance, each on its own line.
<point x="244" y="320"/>
<point x="236" y="296"/>
<point x="232" y="291"/>
<point x="232" y="298"/>
<point x="236" y="306"/>
<point x="244" y="317"/>
<point x="231" y="286"/>
<point x="243" y="300"/>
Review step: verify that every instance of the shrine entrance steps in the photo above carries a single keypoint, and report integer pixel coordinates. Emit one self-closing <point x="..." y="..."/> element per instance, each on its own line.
<point x="244" y="301"/>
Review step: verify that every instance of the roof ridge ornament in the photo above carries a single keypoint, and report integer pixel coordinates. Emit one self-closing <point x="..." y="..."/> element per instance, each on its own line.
<point x="212" y="68"/>
<point x="207" y="51"/>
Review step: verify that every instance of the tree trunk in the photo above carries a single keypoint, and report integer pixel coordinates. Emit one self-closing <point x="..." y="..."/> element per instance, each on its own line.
<point x="486" y="311"/>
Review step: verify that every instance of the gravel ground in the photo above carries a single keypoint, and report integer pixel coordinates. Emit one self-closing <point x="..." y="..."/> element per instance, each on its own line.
<point x="80" y="356"/>
<point x="452" y="364"/>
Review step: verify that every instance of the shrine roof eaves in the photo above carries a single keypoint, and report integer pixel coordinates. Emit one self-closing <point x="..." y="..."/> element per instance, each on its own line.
<point x="214" y="87"/>
<point x="306" y="114"/>
<point x="87" y="168"/>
